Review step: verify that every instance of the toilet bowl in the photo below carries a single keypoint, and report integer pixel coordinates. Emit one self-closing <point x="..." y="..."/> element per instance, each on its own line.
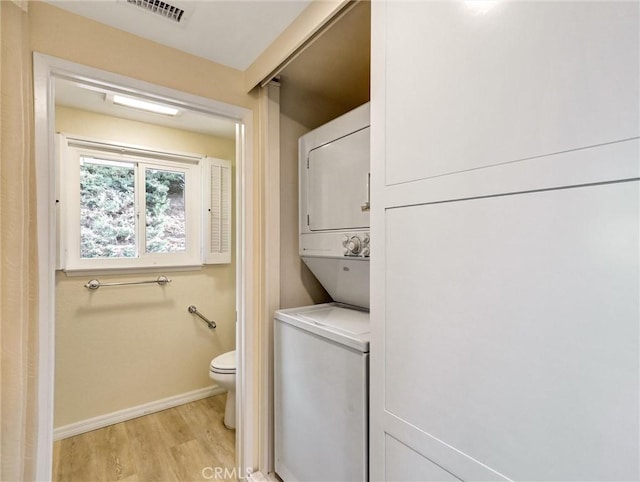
<point x="223" y="371"/>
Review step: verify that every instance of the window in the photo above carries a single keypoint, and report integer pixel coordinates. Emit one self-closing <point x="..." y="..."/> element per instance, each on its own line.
<point x="107" y="209"/>
<point x="124" y="207"/>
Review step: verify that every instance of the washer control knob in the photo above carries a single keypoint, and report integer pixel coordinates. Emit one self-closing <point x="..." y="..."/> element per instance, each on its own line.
<point x="366" y="251"/>
<point x="366" y="239"/>
<point x="345" y="240"/>
<point x="354" y="245"/>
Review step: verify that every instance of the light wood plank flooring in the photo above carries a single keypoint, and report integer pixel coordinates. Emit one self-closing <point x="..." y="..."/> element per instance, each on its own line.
<point x="172" y="445"/>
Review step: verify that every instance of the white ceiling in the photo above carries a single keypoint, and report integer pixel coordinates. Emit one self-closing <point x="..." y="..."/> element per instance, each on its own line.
<point x="229" y="32"/>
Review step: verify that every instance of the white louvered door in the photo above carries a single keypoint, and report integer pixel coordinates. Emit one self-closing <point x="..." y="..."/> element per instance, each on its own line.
<point x="217" y="189"/>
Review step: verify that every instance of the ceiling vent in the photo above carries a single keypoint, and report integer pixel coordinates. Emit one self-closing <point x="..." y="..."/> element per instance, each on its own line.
<point x="160" y="8"/>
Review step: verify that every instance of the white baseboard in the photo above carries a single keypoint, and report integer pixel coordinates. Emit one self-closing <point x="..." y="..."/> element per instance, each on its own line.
<point x="101" y="421"/>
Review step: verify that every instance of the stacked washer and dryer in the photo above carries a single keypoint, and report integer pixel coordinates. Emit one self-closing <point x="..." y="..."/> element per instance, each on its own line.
<point x="321" y="352"/>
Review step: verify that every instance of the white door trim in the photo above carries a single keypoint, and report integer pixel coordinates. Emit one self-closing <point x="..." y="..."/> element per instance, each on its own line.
<point x="270" y="139"/>
<point x="45" y="69"/>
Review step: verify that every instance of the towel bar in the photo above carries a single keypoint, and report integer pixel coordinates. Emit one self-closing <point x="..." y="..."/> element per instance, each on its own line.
<point x="94" y="284"/>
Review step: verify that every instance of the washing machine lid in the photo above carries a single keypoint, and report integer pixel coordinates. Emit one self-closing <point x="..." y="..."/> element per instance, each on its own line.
<point x="336" y="322"/>
<point x="225" y="362"/>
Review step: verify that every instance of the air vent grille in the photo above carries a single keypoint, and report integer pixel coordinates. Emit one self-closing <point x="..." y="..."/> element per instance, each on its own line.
<point x="160" y="8"/>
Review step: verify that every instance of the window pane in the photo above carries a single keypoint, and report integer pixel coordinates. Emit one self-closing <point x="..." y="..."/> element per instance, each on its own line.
<point x="107" y="209"/>
<point x="166" y="223"/>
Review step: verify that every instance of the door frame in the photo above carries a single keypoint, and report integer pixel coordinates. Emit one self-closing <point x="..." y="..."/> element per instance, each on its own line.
<point x="45" y="69"/>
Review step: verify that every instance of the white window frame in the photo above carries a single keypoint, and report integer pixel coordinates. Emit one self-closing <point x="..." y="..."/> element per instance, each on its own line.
<point x="71" y="149"/>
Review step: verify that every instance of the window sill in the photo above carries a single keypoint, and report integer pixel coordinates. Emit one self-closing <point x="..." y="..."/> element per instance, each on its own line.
<point x="71" y="273"/>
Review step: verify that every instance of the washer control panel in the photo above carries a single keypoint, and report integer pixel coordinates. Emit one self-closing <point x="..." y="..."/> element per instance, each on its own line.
<point x="356" y="245"/>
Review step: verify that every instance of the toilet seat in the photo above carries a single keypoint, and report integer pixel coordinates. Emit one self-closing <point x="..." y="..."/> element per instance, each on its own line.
<point x="224" y="364"/>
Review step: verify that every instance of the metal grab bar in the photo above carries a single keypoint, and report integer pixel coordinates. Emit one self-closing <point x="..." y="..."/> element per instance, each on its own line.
<point x="94" y="284"/>
<point x="194" y="310"/>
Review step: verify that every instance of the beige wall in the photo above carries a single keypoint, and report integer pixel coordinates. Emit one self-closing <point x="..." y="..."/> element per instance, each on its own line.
<point x="121" y="347"/>
<point x="298" y="286"/>
<point x="300" y="112"/>
<point x="98" y="126"/>
<point x="18" y="254"/>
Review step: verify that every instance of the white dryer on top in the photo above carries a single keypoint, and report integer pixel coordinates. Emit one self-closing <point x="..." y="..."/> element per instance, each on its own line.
<point x="334" y="205"/>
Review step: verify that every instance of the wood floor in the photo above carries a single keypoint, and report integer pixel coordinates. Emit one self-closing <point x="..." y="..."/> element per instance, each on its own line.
<point x="172" y="445"/>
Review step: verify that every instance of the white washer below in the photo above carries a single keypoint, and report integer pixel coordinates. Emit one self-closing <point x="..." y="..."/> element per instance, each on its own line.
<point x="321" y="367"/>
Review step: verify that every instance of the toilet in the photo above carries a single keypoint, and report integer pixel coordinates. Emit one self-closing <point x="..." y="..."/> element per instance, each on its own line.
<point x="223" y="371"/>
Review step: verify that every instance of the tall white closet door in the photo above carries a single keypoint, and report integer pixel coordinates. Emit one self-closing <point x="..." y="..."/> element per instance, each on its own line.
<point x="505" y="288"/>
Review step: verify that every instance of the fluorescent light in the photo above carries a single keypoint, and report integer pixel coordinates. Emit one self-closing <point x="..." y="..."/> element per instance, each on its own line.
<point x="144" y="105"/>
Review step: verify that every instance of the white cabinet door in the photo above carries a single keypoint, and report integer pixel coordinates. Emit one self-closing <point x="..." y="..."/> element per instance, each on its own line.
<point x="339" y="183"/>
<point x="520" y="314"/>
<point x="505" y="291"/>
<point x="523" y="80"/>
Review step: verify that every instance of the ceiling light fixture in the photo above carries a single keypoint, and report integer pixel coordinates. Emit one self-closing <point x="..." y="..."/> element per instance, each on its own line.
<point x="144" y="105"/>
<point x="480" y="7"/>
